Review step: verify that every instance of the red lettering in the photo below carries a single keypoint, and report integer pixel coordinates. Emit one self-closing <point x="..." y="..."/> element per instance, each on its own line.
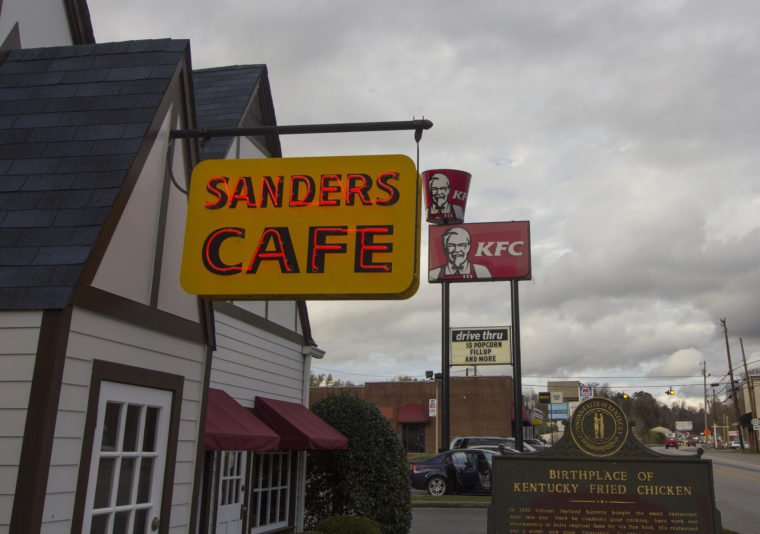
<point x="393" y="192"/>
<point x="211" y="251"/>
<point x="366" y="247"/>
<point x="222" y="195"/>
<point x="326" y="189"/>
<point x="275" y="245"/>
<point x="295" y="183"/>
<point x="318" y="246"/>
<point x="243" y="191"/>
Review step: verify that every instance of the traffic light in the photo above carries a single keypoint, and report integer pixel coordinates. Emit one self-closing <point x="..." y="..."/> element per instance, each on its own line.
<point x="670" y="391"/>
<point x="625" y="395"/>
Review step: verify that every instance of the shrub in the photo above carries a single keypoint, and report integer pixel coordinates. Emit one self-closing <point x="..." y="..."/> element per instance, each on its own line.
<point x="369" y="479"/>
<point x="343" y="524"/>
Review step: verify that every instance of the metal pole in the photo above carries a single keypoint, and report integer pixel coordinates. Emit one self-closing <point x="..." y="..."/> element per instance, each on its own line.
<point x="751" y="392"/>
<point x="346" y="127"/>
<point x="733" y="386"/>
<point x="516" y="371"/>
<point x="446" y="438"/>
<point x="704" y="376"/>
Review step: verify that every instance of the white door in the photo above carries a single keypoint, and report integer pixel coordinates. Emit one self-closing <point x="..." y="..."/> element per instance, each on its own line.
<point x="231" y="480"/>
<point x="128" y="460"/>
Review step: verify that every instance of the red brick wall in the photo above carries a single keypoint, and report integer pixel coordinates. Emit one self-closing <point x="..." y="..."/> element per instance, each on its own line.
<point x="480" y="405"/>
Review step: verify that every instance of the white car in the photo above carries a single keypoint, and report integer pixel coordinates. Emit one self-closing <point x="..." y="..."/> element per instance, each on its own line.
<point x="735" y="444"/>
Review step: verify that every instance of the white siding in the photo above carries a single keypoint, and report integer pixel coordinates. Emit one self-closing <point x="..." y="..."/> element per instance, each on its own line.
<point x="250" y="362"/>
<point x="41" y="22"/>
<point x="19" y="332"/>
<point x="171" y="297"/>
<point x="133" y="243"/>
<point x="94" y="336"/>
<point x="284" y="313"/>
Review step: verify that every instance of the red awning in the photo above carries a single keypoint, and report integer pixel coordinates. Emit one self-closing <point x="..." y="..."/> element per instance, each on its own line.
<point x="413" y="413"/>
<point x="230" y="427"/>
<point x="526" y="419"/>
<point x="298" y="427"/>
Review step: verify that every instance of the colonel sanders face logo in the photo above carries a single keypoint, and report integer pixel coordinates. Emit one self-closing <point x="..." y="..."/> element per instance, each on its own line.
<point x="456" y="244"/>
<point x="439" y="191"/>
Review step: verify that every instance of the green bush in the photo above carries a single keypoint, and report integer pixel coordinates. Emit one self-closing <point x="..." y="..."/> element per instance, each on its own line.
<point x="343" y="524"/>
<point x="369" y="479"/>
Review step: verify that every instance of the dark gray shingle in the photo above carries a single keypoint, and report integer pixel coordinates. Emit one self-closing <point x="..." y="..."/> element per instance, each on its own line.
<point x="71" y="121"/>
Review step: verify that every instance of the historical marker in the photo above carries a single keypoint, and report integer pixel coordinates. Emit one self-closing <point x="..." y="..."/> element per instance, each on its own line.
<point x="600" y="479"/>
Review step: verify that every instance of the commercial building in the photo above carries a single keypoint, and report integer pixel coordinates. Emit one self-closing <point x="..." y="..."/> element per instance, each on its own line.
<point x="480" y="406"/>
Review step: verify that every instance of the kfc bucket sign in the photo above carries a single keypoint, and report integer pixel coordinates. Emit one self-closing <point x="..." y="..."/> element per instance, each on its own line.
<point x="446" y="195"/>
<point x="479" y="252"/>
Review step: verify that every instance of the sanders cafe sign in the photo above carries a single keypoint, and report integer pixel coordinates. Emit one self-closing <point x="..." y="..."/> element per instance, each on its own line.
<point x="303" y="228"/>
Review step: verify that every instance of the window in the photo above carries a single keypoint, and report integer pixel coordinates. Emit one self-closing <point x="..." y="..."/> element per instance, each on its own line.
<point x="413" y="437"/>
<point x="270" y="498"/>
<point x="128" y="459"/>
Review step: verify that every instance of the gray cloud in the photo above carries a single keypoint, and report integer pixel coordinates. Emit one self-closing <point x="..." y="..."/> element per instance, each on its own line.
<point x="625" y="132"/>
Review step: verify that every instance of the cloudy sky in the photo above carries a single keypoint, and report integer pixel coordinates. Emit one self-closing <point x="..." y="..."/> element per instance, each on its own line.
<point x="625" y="132"/>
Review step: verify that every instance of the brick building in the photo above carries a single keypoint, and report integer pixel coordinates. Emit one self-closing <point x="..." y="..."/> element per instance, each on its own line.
<point x="480" y="406"/>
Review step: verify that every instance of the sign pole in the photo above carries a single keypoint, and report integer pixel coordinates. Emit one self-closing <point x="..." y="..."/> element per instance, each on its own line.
<point x="516" y="371"/>
<point x="445" y="366"/>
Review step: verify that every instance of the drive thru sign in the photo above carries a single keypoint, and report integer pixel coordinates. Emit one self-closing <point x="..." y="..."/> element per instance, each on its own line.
<point x="300" y="228"/>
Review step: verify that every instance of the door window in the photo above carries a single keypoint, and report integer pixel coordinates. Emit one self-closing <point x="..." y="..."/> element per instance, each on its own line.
<point x="229" y="518"/>
<point x="128" y="460"/>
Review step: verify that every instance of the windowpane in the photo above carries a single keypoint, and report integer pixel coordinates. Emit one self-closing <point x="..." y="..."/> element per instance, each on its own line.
<point x="271" y="491"/>
<point x="283" y="511"/>
<point x="149" y="438"/>
<point x="121" y="522"/>
<point x="131" y="428"/>
<point x="110" y="427"/>
<point x="143" y="485"/>
<point x="126" y="479"/>
<point x="99" y="524"/>
<point x="263" y="509"/>
<point x="104" y="483"/>
<point x="265" y="470"/>
<point x="141" y="521"/>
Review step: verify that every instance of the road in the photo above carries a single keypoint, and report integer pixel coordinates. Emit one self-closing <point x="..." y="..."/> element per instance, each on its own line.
<point x="737" y="486"/>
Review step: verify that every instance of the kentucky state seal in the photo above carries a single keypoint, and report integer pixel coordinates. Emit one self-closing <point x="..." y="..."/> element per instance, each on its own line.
<point x="599" y="427"/>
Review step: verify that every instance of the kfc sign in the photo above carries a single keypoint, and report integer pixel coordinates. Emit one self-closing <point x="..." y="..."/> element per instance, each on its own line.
<point x="446" y="195"/>
<point x="479" y="252"/>
<point x="299" y="228"/>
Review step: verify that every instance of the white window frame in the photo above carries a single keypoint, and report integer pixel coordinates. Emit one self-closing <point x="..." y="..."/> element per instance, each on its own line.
<point x="126" y="394"/>
<point x="275" y="486"/>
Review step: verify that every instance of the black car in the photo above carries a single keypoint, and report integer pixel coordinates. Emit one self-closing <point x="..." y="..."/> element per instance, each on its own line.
<point x="457" y="471"/>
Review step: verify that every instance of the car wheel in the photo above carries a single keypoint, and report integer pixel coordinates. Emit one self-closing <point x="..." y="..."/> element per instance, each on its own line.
<point x="437" y="486"/>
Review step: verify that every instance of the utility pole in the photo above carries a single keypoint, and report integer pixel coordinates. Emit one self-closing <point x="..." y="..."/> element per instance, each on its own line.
<point x="751" y="390"/>
<point x="733" y="385"/>
<point x="704" y="377"/>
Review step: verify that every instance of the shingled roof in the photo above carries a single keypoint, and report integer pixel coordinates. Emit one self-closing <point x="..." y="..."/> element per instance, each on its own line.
<point x="228" y="97"/>
<point x="71" y="121"/>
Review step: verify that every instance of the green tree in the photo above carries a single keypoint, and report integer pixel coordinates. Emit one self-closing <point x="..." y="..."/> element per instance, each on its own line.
<point x="369" y="479"/>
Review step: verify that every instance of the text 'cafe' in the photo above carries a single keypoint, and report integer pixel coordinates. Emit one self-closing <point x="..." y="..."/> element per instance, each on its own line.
<point x="333" y="227"/>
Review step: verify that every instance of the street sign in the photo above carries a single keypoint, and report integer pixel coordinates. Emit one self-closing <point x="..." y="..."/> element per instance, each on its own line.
<point x="558" y="412"/>
<point x="544" y="397"/>
<point x="432" y="407"/>
<point x="557" y="397"/>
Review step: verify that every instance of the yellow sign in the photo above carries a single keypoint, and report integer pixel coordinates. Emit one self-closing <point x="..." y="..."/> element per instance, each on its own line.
<point x="303" y="228"/>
